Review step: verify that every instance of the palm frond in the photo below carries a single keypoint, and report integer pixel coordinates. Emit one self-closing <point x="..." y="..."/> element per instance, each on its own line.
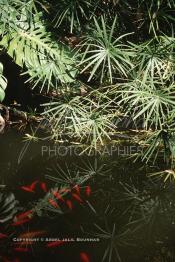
<point x="73" y="13"/>
<point x="48" y="63"/>
<point x="3" y="83"/>
<point x="104" y="54"/>
<point x="150" y="102"/>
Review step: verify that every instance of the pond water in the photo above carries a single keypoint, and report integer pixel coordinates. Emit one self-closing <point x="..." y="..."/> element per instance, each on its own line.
<point x="84" y="208"/>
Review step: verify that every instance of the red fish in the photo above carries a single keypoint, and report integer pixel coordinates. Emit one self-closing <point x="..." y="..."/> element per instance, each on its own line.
<point x="58" y="196"/>
<point x="27" y="189"/>
<point x="3" y="236"/>
<point x="77" y="189"/>
<point x="20" y="222"/>
<point x="43" y="187"/>
<point x="69" y="204"/>
<point x="31" y="234"/>
<point x="76" y="197"/>
<point x="32" y="186"/>
<point x="5" y="259"/>
<point x="55" y="243"/>
<point x="16" y="260"/>
<point x="21" y="249"/>
<point x="64" y="190"/>
<point x="53" y="203"/>
<point x="25" y="214"/>
<point x="84" y="257"/>
<point x="88" y="191"/>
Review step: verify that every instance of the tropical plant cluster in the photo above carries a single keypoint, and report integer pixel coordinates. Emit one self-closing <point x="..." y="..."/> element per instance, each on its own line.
<point x="101" y="63"/>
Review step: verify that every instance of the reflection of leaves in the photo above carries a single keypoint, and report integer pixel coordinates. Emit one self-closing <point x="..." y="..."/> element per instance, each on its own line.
<point x="7" y="207"/>
<point x="114" y="240"/>
<point x="67" y="176"/>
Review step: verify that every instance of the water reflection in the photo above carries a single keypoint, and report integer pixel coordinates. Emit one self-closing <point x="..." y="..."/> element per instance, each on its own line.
<point x="84" y="208"/>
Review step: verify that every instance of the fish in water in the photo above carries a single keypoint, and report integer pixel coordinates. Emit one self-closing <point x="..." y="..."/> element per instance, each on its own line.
<point x="88" y="191"/>
<point x="77" y="189"/>
<point x="53" y="203"/>
<point x="24" y="214"/>
<point x="84" y="257"/>
<point x="69" y="204"/>
<point x="55" y="243"/>
<point x="5" y="259"/>
<point x="16" y="260"/>
<point x="43" y="187"/>
<point x="27" y="189"/>
<point x="21" y="249"/>
<point x="21" y="222"/>
<point x="32" y="234"/>
<point x="64" y="190"/>
<point x="33" y="185"/>
<point x="58" y="196"/>
<point x="76" y="197"/>
<point x="2" y="236"/>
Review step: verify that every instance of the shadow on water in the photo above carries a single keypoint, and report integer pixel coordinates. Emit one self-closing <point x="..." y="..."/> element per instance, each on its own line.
<point x="117" y="213"/>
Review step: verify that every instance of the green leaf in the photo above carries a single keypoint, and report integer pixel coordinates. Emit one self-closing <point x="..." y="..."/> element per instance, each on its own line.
<point x="48" y="62"/>
<point x="3" y="84"/>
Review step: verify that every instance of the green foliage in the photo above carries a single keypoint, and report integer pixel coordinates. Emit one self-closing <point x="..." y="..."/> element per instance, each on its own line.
<point x="8" y="207"/>
<point x="88" y="120"/>
<point x="158" y="15"/>
<point x="73" y="13"/>
<point x="30" y="45"/>
<point x="154" y="59"/>
<point x="149" y="101"/>
<point x="104" y="54"/>
<point x="88" y="45"/>
<point x="3" y="84"/>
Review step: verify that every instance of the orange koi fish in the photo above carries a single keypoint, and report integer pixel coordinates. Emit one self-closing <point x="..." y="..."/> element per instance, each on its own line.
<point x="27" y="236"/>
<point x="76" y="197"/>
<point x="64" y="190"/>
<point x="88" y="191"/>
<point x="32" y="186"/>
<point x="24" y="243"/>
<point x="84" y="257"/>
<point x="21" y="222"/>
<point x="43" y="187"/>
<point x="69" y="204"/>
<point x="58" y="196"/>
<point x="16" y="260"/>
<point x="5" y="259"/>
<point x="32" y="234"/>
<point x="55" y="243"/>
<point x="27" y="189"/>
<point x="24" y="215"/>
<point x="2" y="236"/>
<point x="53" y="203"/>
<point x="21" y="249"/>
<point x="77" y="189"/>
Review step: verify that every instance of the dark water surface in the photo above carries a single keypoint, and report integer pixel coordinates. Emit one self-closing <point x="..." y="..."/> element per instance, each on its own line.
<point x="127" y="216"/>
